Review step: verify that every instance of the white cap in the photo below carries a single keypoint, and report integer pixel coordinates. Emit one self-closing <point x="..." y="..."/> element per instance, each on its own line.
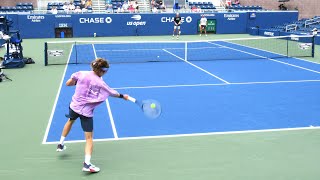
<point x="314" y="29"/>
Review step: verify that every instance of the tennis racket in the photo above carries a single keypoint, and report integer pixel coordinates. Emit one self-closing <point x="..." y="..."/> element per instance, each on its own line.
<point x="151" y="108"/>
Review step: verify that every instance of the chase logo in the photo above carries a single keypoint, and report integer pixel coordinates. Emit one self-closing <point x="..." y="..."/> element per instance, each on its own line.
<point x="187" y="19"/>
<point x="136" y="17"/>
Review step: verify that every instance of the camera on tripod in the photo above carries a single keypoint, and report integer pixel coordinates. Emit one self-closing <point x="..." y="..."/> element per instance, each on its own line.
<point x="282" y="5"/>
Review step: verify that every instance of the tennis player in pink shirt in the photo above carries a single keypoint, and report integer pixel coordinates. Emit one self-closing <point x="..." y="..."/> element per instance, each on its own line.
<point x="90" y="91"/>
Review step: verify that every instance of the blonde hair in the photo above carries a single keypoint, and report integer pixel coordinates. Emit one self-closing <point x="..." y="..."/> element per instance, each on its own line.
<point x="98" y="64"/>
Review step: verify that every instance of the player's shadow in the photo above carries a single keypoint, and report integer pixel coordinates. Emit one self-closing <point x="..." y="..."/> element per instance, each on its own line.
<point x="89" y="173"/>
<point x="64" y="156"/>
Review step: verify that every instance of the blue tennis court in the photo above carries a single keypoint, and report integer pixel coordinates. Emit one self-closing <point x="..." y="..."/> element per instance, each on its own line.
<point x="198" y="96"/>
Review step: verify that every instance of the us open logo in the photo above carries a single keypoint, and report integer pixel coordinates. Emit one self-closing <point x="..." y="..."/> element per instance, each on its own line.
<point x="136" y="17"/>
<point x="137" y="21"/>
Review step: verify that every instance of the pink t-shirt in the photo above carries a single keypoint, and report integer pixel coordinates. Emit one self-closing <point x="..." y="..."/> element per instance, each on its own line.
<point x="90" y="91"/>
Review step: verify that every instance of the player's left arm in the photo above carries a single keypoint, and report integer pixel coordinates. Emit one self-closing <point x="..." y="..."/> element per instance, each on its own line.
<point x="71" y="82"/>
<point x="73" y="79"/>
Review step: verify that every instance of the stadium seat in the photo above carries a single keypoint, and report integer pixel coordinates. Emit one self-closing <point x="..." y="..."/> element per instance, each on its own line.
<point x="19" y="4"/>
<point x="90" y="10"/>
<point x="19" y="9"/>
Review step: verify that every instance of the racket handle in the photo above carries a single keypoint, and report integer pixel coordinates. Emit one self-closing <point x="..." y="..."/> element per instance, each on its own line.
<point x="132" y="99"/>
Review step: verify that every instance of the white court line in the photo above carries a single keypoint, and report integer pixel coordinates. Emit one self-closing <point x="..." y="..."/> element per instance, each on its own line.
<point x="197" y="67"/>
<point x="266" y="58"/>
<point x="113" y="126"/>
<point x="122" y="50"/>
<point x="218" y="84"/>
<point x="198" y="134"/>
<point x="56" y="100"/>
<point x="275" y="53"/>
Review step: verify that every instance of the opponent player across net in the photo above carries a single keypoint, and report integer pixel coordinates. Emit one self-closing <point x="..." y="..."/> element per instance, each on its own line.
<point x="203" y="25"/>
<point x="177" y="22"/>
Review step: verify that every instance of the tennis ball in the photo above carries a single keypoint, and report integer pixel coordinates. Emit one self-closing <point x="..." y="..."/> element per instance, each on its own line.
<point x="153" y="105"/>
<point x="158" y="56"/>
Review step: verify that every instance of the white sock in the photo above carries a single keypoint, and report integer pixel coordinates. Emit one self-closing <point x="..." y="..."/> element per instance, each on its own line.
<point x="87" y="159"/>
<point x="62" y="140"/>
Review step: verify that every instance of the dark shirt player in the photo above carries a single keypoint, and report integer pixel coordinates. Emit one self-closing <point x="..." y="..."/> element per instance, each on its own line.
<point x="176" y="28"/>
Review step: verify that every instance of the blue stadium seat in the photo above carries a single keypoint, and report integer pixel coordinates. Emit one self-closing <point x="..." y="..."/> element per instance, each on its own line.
<point x="19" y="9"/>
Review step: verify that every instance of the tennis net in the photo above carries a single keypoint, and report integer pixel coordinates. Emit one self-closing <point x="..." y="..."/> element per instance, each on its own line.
<point x="83" y="52"/>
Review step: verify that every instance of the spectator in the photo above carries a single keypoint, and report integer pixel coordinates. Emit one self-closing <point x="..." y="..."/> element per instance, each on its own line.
<point x="162" y="6"/>
<point x="65" y="7"/>
<point x="131" y="9"/>
<point x="228" y="3"/>
<point x="84" y="10"/>
<point x="78" y="10"/>
<point x="194" y="8"/>
<point x="176" y="7"/>
<point x="282" y="7"/>
<point x="71" y="7"/>
<point x="83" y="4"/>
<point x="153" y="4"/>
<point x="54" y="10"/>
<point x="155" y="9"/>
<point x="109" y="8"/>
<point x="125" y="6"/>
<point x="198" y="9"/>
<point x="119" y="7"/>
<point x="314" y="31"/>
<point x="237" y="2"/>
<point x="136" y="6"/>
<point x="88" y="4"/>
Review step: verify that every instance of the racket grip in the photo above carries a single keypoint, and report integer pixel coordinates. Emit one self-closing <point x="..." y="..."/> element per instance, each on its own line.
<point x="132" y="99"/>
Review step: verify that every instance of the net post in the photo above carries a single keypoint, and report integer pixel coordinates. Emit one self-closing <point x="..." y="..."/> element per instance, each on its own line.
<point x="46" y="54"/>
<point x="287" y="46"/>
<point x="313" y="45"/>
<point x="185" y="50"/>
